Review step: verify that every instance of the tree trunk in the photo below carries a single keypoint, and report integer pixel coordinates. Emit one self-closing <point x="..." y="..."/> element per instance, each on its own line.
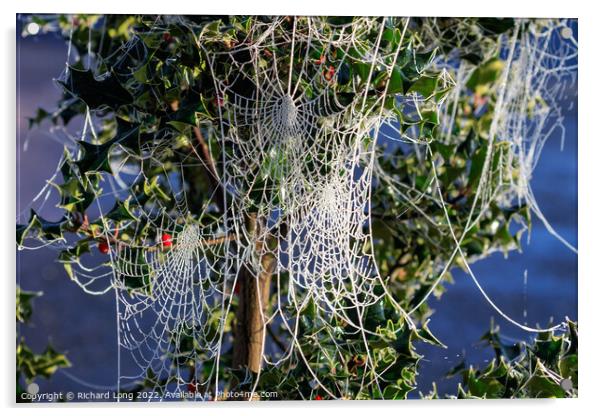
<point x="253" y="298"/>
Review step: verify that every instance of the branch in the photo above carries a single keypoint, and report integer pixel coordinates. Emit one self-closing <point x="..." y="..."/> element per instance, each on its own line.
<point x="83" y="226"/>
<point x="209" y="168"/>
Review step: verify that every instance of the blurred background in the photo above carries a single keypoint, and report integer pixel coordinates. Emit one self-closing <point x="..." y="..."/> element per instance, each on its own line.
<point x="84" y="326"/>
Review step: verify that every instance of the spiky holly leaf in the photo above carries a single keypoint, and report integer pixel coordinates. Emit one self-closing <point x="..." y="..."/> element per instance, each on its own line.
<point x="24" y="309"/>
<point x="48" y="230"/>
<point x="96" y="92"/>
<point x="95" y="157"/>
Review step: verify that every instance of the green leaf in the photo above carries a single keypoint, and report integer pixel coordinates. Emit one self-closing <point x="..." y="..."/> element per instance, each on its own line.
<point x="75" y="195"/>
<point x="396" y="84"/>
<point x="540" y="385"/>
<point x="153" y="189"/>
<point x="483" y="386"/>
<point x="362" y="69"/>
<point x="99" y="92"/>
<point x="45" y="365"/>
<point x="24" y="308"/>
<point x="496" y="25"/>
<point x="568" y="366"/>
<point x="95" y="158"/>
<point x="447" y="151"/>
<point x="483" y="76"/>
<point x="426" y="335"/>
<point x="121" y="211"/>
<point x="476" y="167"/>
<point x="425" y="86"/>
<point x="49" y="230"/>
<point x="375" y="315"/>
<point x="40" y="116"/>
<point x="393" y="392"/>
<point x="392" y="35"/>
<point x="74" y="253"/>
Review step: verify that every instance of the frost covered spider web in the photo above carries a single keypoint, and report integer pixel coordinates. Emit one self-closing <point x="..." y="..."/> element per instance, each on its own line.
<point x="539" y="69"/>
<point x="292" y="198"/>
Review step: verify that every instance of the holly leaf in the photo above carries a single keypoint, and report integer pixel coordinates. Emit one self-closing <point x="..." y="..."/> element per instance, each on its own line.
<point x="425" y="86"/>
<point x="541" y="385"/>
<point x="95" y="157"/>
<point x="40" y="116"/>
<point x="496" y="25"/>
<point x="33" y="365"/>
<point x="24" y="309"/>
<point x="97" y="92"/>
<point x="49" y="230"/>
<point x="121" y="211"/>
<point x="483" y="76"/>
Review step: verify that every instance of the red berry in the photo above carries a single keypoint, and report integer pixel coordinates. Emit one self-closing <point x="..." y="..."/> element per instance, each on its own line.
<point x="166" y="240"/>
<point x="218" y="101"/>
<point x="103" y="247"/>
<point x="321" y="60"/>
<point x="318" y="397"/>
<point x="167" y="37"/>
<point x="192" y="387"/>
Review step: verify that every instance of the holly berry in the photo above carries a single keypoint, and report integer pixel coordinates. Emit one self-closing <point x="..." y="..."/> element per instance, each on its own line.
<point x="166" y="241"/>
<point x="103" y="247"/>
<point x="318" y="397"/>
<point x="192" y="387"/>
<point x="218" y="101"/>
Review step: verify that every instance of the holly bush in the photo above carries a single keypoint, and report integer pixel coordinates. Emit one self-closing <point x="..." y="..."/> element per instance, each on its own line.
<point x="153" y="82"/>
<point x="31" y="365"/>
<point x="546" y="367"/>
